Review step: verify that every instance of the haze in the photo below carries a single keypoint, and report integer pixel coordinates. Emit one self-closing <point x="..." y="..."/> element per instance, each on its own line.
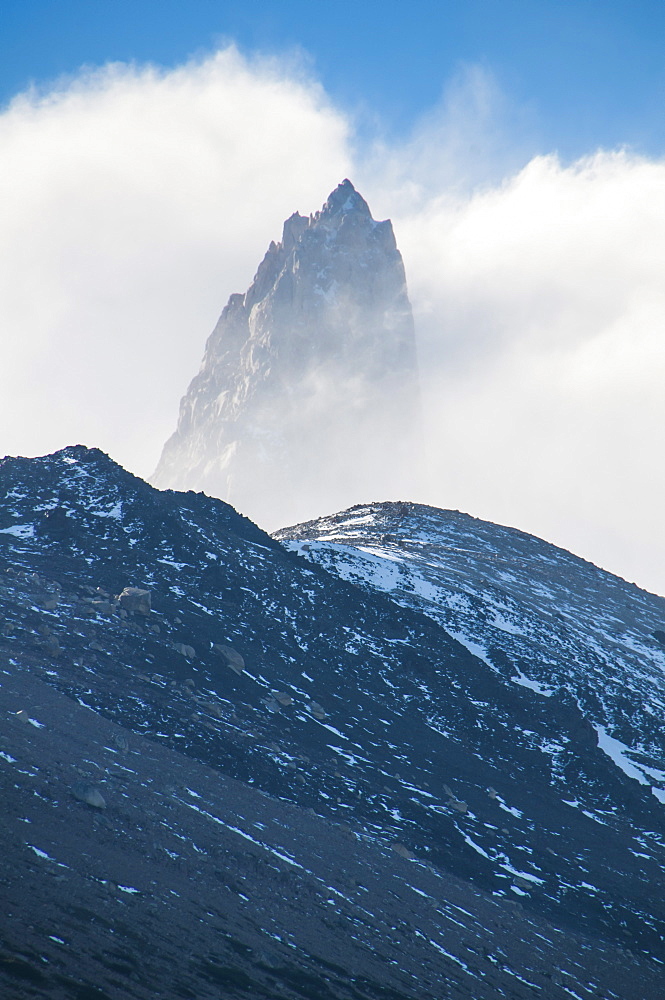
<point x="136" y="200"/>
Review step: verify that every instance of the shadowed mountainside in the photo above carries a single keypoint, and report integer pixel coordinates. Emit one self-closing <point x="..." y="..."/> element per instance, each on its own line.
<point x="309" y="788"/>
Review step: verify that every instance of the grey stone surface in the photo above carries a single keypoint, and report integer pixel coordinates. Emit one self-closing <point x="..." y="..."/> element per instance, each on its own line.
<point x="307" y="397"/>
<point x="135" y="599"/>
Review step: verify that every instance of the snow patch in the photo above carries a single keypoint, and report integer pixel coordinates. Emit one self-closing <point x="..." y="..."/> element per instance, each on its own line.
<point x="19" y="531"/>
<point x="617" y="752"/>
<point x="536" y="686"/>
<point x="115" y="512"/>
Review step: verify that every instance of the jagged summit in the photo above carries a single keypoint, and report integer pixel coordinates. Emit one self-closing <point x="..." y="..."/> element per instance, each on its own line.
<point x="307" y="396"/>
<point x="345" y="199"/>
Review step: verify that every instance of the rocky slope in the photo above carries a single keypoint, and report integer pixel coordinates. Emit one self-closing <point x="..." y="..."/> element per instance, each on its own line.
<point x="265" y="780"/>
<point x="308" y="391"/>
<point x="542" y="617"/>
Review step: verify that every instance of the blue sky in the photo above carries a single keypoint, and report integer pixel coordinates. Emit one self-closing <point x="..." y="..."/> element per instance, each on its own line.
<point x="580" y="74"/>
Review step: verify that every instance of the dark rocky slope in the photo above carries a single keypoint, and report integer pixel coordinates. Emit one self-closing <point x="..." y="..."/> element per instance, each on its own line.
<point x="309" y="789"/>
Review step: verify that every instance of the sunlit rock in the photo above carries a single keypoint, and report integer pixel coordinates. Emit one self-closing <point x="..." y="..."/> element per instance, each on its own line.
<point x="135" y="599"/>
<point x="307" y="397"/>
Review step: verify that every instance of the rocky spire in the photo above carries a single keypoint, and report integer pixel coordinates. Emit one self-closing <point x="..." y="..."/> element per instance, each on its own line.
<point x="307" y="397"/>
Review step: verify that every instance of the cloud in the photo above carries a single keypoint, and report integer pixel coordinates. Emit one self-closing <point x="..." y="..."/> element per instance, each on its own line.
<point x="473" y="137"/>
<point x="540" y="305"/>
<point x="136" y="200"/>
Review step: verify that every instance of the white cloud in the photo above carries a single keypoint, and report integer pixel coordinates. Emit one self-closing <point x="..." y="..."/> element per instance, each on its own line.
<point x="472" y="137"/>
<point x="541" y="309"/>
<point x="135" y="201"/>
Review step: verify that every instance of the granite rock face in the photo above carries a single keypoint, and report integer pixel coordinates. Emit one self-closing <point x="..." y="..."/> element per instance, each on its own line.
<point x="307" y="396"/>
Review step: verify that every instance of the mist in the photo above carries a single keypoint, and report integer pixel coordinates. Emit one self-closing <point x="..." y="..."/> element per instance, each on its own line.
<point x="136" y="201"/>
<point x="539" y="308"/>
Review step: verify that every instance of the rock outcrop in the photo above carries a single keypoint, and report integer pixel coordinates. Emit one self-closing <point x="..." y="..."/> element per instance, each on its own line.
<point x="307" y="397"/>
<point x="135" y="599"/>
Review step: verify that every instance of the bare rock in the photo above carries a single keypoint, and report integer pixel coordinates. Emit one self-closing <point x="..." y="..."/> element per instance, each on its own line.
<point x="187" y="651"/>
<point x="327" y="315"/>
<point x="103" y="607"/>
<point x="90" y="794"/>
<point x="135" y="599"/>
<point x="231" y="657"/>
<point x="212" y="709"/>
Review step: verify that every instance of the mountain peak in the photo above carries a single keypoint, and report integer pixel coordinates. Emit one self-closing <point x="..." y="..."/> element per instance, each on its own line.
<point x="308" y="392"/>
<point x="345" y="199"/>
<point x="293" y="229"/>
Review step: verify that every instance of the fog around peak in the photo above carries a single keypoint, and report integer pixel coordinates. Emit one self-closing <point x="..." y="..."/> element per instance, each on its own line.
<point x="139" y="200"/>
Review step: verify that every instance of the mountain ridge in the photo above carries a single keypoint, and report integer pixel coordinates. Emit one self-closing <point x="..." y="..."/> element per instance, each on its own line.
<point x="335" y="773"/>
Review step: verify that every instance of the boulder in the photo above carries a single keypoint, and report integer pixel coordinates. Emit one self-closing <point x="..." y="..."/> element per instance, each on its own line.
<point x="52" y="645"/>
<point x="135" y="599"/>
<point x="188" y="651"/>
<point x="89" y="794"/>
<point x="522" y="883"/>
<point x="231" y="657"/>
<point x="103" y="607"/>
<point x="212" y="709"/>
<point x="457" y="804"/>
